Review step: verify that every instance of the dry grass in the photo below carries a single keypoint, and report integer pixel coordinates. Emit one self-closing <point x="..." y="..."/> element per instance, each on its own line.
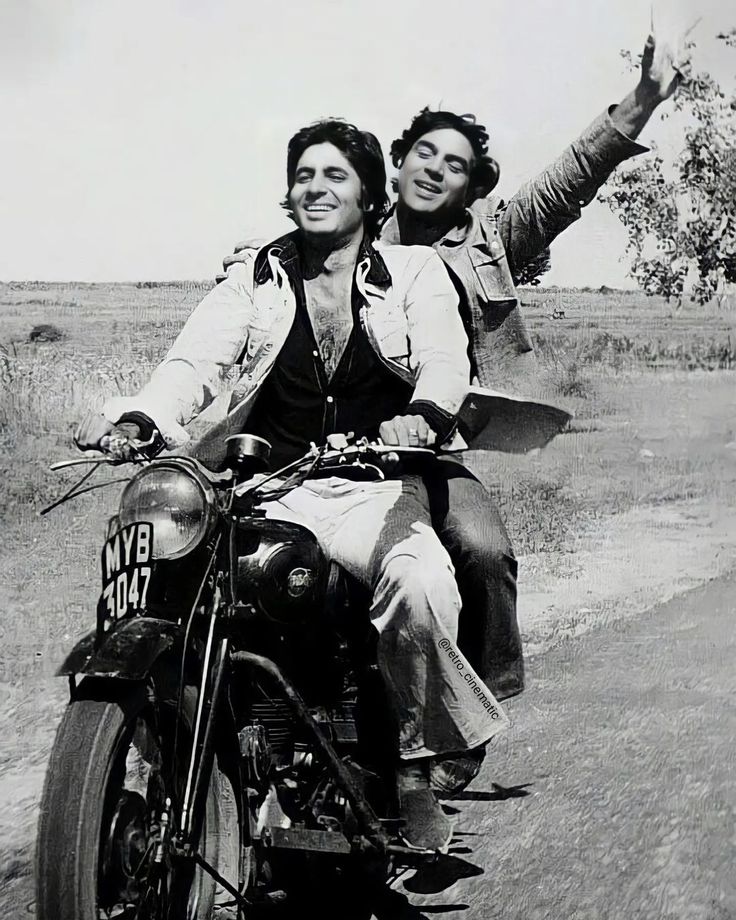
<point x="607" y="345"/>
<point x="113" y="336"/>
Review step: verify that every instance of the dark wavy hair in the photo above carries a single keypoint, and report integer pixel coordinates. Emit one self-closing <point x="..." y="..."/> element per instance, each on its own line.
<point x="363" y="152"/>
<point x="484" y="172"/>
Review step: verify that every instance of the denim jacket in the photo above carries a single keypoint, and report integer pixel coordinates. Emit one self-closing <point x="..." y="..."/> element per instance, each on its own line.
<point x="498" y="239"/>
<point x="410" y="316"/>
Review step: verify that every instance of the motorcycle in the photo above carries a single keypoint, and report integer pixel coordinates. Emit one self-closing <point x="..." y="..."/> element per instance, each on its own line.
<point x="227" y="744"/>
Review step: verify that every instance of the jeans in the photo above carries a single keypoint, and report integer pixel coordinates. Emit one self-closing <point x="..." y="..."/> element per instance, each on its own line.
<point x="381" y="533"/>
<point x="471" y="529"/>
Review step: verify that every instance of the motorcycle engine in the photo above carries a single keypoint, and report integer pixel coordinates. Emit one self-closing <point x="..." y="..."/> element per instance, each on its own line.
<point x="279" y="569"/>
<point x="276" y="748"/>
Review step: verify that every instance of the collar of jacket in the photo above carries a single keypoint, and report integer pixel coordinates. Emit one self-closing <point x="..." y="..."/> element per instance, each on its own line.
<point x="471" y="235"/>
<point x="370" y="270"/>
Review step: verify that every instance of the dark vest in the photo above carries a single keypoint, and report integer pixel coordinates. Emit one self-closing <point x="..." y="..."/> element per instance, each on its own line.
<point x="298" y="404"/>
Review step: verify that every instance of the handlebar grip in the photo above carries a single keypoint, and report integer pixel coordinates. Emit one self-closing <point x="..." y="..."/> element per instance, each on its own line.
<point x="125" y="448"/>
<point x="389" y="463"/>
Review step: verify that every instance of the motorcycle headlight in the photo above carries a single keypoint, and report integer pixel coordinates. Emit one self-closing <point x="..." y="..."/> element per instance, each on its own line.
<point x="176" y="503"/>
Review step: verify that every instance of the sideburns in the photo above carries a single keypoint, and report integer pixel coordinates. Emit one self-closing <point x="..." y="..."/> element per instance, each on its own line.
<point x="364" y="204"/>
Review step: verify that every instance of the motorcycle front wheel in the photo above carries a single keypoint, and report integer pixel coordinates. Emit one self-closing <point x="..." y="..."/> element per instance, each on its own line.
<point x="108" y="819"/>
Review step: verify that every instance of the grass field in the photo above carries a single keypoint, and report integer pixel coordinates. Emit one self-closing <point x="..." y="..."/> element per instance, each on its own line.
<point x="654" y="440"/>
<point x="607" y="351"/>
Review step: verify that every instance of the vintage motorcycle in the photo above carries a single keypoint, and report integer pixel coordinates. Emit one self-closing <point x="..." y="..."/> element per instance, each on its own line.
<point x="227" y="743"/>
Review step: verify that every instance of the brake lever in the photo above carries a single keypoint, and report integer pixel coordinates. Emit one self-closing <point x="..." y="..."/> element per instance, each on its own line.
<point x="107" y="455"/>
<point x="80" y="461"/>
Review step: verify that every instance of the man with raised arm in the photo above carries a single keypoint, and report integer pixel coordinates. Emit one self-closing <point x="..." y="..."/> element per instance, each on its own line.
<point x="445" y="185"/>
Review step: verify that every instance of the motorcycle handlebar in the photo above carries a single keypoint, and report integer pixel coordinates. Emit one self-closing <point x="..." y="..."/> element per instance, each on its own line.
<point x="374" y="453"/>
<point x="373" y="459"/>
<point x="366" y="456"/>
<point x="116" y="448"/>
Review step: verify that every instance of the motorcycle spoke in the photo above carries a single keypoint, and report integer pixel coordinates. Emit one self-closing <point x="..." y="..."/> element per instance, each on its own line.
<point x="137" y="872"/>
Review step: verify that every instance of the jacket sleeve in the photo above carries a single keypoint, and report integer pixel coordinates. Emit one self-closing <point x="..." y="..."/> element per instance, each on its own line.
<point x="438" y="345"/>
<point x="547" y="204"/>
<point x="193" y="372"/>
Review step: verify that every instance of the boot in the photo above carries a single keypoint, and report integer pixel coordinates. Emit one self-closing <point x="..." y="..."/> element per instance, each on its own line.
<point x="426" y="826"/>
<point x="449" y="775"/>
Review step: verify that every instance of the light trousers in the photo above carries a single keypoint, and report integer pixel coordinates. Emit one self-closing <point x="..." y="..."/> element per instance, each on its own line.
<point x="381" y="533"/>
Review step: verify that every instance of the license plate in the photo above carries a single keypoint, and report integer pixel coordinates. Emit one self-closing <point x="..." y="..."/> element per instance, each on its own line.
<point x="126" y="571"/>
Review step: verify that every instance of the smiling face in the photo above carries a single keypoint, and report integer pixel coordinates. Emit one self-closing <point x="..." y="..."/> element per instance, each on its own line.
<point x="435" y="174"/>
<point x="326" y="195"/>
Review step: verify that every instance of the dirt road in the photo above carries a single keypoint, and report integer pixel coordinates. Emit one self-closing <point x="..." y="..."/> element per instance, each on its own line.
<point x="615" y="791"/>
<point x="614" y="794"/>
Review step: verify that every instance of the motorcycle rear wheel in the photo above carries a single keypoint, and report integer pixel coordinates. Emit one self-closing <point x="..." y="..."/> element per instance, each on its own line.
<point x="110" y="773"/>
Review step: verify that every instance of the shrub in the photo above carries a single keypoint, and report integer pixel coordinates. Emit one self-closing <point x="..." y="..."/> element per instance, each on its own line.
<point x="45" y="332"/>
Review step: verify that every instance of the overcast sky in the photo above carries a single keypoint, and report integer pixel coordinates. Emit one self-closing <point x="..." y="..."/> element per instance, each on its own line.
<point x="141" y="139"/>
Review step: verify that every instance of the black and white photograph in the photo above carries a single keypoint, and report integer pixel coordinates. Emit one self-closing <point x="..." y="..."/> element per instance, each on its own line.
<point x="368" y="460"/>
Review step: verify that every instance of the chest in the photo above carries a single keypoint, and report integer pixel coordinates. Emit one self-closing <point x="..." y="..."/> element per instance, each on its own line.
<point x="328" y="302"/>
<point x="328" y="299"/>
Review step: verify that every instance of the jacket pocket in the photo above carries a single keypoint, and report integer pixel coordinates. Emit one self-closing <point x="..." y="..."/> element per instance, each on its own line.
<point x="493" y="276"/>
<point x="387" y="330"/>
<point x="388" y="336"/>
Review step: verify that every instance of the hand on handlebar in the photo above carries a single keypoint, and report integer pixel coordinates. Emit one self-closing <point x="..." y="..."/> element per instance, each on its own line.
<point x="95" y="432"/>
<point x="407" y="431"/>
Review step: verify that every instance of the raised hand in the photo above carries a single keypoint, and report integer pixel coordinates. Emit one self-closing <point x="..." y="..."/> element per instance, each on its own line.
<point x="664" y="65"/>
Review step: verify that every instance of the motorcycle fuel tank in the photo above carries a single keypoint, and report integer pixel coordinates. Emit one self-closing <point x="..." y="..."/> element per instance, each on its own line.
<point x="279" y="569"/>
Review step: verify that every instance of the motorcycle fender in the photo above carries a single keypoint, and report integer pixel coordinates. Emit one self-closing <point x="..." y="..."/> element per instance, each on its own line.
<point x="128" y="652"/>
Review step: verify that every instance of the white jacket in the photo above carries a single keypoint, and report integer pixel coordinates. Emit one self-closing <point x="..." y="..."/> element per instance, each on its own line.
<point x="414" y="326"/>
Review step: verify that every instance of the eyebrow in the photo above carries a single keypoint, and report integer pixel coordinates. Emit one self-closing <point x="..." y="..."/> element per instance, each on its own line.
<point x="452" y="157"/>
<point x="328" y="169"/>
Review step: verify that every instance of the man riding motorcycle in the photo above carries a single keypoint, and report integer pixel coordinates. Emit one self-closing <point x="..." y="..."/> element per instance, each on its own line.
<point x="338" y="334"/>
